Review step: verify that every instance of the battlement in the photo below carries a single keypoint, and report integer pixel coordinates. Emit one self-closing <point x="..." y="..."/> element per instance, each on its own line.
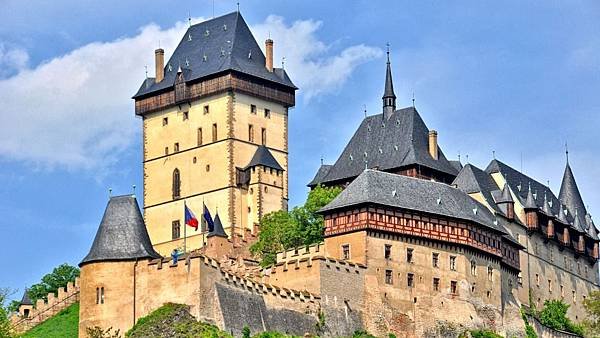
<point x="43" y="310"/>
<point x="305" y="251"/>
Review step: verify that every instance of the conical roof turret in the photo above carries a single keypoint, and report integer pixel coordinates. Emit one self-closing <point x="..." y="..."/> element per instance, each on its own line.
<point x="506" y="196"/>
<point x="218" y="228"/>
<point x="569" y="193"/>
<point x="25" y="300"/>
<point x="562" y="216"/>
<point x="389" y="98"/>
<point x="546" y="207"/>
<point x="530" y="201"/>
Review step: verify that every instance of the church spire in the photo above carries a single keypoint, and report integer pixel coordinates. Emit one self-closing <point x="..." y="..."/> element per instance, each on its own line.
<point x="569" y="193"/>
<point x="389" y="98"/>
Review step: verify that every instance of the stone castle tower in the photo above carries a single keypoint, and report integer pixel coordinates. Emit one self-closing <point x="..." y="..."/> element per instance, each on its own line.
<point x="215" y="132"/>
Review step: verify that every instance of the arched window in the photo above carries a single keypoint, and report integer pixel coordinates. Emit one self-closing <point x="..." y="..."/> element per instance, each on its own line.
<point x="176" y="184"/>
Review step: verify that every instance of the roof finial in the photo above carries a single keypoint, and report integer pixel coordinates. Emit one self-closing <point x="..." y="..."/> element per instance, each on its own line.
<point x="146" y="69"/>
<point x="189" y="19"/>
<point x="365" y="109"/>
<point x="388" y="52"/>
<point x="567" y="151"/>
<point x="109" y="192"/>
<point x="238" y="6"/>
<point x="283" y="62"/>
<point x="133" y="188"/>
<point x="389" y="98"/>
<point x="467" y="158"/>
<point x="494" y="154"/>
<point x="321" y="159"/>
<point x="459" y="157"/>
<point x="413" y="99"/>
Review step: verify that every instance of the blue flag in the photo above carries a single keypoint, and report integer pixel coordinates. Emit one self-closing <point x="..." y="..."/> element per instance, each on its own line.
<point x="208" y="219"/>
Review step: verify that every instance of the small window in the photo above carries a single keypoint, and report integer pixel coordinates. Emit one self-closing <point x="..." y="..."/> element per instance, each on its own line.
<point x="263" y="136"/>
<point x="453" y="287"/>
<point x="436" y="284"/>
<point x="186" y="115"/>
<point x="207" y="167"/>
<point x="194" y="160"/>
<point x="250" y="133"/>
<point x="253" y="109"/>
<point x="176" y="188"/>
<point x="176" y="147"/>
<point x="409" y="255"/>
<point x="166" y="150"/>
<point x="562" y="291"/>
<point x="165" y="121"/>
<point x="199" y="136"/>
<point x="410" y="280"/>
<point x="102" y="295"/>
<point x="435" y="260"/>
<point x="453" y="263"/>
<point x="537" y="280"/>
<point x="489" y="294"/>
<point x="520" y="279"/>
<point x="490" y="273"/>
<point x="214" y="132"/>
<point x="473" y="268"/>
<point x="175" y="230"/>
<point x="549" y="285"/>
<point x="206" y="110"/>
<point x="574" y="297"/>
<point x="388" y="277"/>
<point x="387" y="251"/>
<point x="267" y="113"/>
<point x="97" y="295"/>
<point x="346" y="251"/>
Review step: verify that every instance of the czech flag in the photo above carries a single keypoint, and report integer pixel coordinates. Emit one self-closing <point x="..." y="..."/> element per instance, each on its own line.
<point x="190" y="218"/>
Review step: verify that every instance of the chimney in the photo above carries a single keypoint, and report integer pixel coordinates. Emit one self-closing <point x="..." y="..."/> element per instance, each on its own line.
<point x="433" y="144"/>
<point x="159" y="58"/>
<point x="269" y="60"/>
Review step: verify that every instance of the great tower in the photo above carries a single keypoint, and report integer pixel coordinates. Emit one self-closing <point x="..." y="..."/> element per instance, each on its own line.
<point x="215" y="132"/>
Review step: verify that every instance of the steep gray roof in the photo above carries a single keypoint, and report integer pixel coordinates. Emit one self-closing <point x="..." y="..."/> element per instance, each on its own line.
<point x="386" y="189"/>
<point x="263" y="156"/>
<point x="457" y="165"/>
<point x="473" y="180"/>
<point x="25" y="299"/>
<point x="389" y="85"/>
<point x="122" y="233"/>
<point x="530" y="200"/>
<point x="546" y="207"/>
<point x="385" y="144"/>
<point x="320" y="175"/>
<point x="218" y="45"/>
<point x="569" y="194"/>
<point x="562" y="216"/>
<point x="218" y="229"/>
<point x="506" y="196"/>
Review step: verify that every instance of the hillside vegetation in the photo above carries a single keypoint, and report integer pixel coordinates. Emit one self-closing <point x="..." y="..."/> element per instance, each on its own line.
<point x="64" y="324"/>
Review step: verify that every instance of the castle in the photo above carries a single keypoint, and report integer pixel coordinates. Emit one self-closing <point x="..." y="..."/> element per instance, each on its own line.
<point x="413" y="240"/>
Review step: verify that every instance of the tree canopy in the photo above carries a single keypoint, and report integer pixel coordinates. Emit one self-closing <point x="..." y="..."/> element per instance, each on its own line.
<point x="58" y="278"/>
<point x="281" y="230"/>
<point x="592" y="307"/>
<point x="5" y="325"/>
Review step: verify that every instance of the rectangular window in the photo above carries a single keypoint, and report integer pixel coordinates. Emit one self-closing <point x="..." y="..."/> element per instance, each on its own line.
<point x="263" y="136"/>
<point x="574" y="297"/>
<point x="186" y="115"/>
<point x="453" y="288"/>
<point x="346" y="251"/>
<point x="165" y="121"/>
<point x="253" y="109"/>
<point x="490" y="273"/>
<point x="206" y="111"/>
<point x="388" y="277"/>
<point x="435" y="260"/>
<point x="387" y="251"/>
<point x="166" y="150"/>
<point x="176" y="147"/>
<point x="250" y="133"/>
<point x="473" y="268"/>
<point x="214" y="132"/>
<point x="175" y="230"/>
<point x="102" y="295"/>
<point x="537" y="280"/>
<point x="199" y="136"/>
<point x="97" y="295"/>
<point x="410" y="280"/>
<point x="549" y="285"/>
<point x="267" y="113"/>
<point x="409" y="255"/>
<point x="562" y="291"/>
<point x="436" y="284"/>
<point x="453" y="263"/>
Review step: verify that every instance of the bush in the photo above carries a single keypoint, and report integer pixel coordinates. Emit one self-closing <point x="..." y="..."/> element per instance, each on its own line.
<point x="484" y="334"/>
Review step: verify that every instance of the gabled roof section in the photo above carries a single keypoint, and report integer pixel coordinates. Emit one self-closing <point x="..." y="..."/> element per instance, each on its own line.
<point x="456" y="164"/>
<point x="569" y="193"/>
<point x="263" y="156"/>
<point x="386" y="189"/>
<point x="25" y="299"/>
<point x="474" y="180"/>
<point x="506" y="196"/>
<point x="398" y="141"/>
<point x="214" y="46"/>
<point x="320" y="175"/>
<point x="218" y="230"/>
<point x="122" y="233"/>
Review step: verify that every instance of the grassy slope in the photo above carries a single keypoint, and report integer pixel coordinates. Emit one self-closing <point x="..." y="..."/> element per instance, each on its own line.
<point x="64" y="324"/>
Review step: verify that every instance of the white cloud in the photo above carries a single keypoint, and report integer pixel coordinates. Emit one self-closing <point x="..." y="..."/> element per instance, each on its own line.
<point x="75" y="111"/>
<point x="307" y="59"/>
<point x="12" y="60"/>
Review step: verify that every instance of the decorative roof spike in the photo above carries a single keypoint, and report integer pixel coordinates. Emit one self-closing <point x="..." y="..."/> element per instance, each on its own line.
<point x="389" y="98"/>
<point x="562" y="216"/>
<point x="592" y="231"/>
<point x="530" y="202"/>
<point x="569" y="192"/>
<point x="577" y="225"/>
<point x="546" y="207"/>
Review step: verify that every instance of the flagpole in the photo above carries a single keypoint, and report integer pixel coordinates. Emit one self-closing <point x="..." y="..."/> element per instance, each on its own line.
<point x="184" y="228"/>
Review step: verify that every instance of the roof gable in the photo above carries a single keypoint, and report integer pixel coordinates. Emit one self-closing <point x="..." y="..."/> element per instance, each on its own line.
<point x="263" y="156"/>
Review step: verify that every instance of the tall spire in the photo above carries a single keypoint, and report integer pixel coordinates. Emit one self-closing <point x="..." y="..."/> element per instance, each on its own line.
<point x="569" y="193"/>
<point x="389" y="98"/>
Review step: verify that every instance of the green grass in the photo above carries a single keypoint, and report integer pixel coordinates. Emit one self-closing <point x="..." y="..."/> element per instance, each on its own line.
<point x="64" y="324"/>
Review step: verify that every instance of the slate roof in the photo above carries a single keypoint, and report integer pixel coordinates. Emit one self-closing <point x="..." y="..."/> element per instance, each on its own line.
<point x="457" y="165"/>
<point x="122" y="233"/>
<point x="320" y="175"/>
<point x="263" y="156"/>
<point x="218" y="45"/>
<point x="398" y="141"/>
<point x="25" y="300"/>
<point x="473" y="180"/>
<point x="506" y="196"/>
<point x="388" y="90"/>
<point x="569" y="194"/>
<point x="386" y="189"/>
<point x="218" y="228"/>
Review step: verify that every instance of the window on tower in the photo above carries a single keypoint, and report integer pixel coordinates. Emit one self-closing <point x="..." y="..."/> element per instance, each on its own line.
<point x="263" y="136"/>
<point x="267" y="113"/>
<point x="176" y="184"/>
<point x="186" y="115"/>
<point x="214" y="132"/>
<point x="250" y="133"/>
<point x="206" y="109"/>
<point x="165" y="121"/>
<point x="199" y="136"/>
<point x="176" y="147"/>
<point x="175" y="229"/>
<point x="253" y="109"/>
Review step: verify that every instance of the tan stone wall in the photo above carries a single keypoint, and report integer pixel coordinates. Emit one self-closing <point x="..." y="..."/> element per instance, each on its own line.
<point x="357" y="242"/>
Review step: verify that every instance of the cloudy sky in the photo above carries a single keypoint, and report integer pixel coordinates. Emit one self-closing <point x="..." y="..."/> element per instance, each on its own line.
<point x="518" y="79"/>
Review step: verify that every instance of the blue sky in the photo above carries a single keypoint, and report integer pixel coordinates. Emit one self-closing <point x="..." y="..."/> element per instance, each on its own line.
<point x="517" y="78"/>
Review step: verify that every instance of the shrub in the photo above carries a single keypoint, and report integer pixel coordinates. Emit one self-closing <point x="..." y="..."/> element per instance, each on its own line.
<point x="484" y="334"/>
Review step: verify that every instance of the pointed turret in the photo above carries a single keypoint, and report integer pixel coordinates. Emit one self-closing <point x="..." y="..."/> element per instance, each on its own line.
<point x="577" y="225"/>
<point x="569" y="193"/>
<point x="530" y="207"/>
<point x="506" y="202"/>
<point x="530" y="201"/>
<point x="217" y="244"/>
<point x="562" y="216"/>
<point x="546" y="207"/>
<point x="389" y="98"/>
<point x="591" y="230"/>
<point x="25" y="299"/>
<point x="218" y="229"/>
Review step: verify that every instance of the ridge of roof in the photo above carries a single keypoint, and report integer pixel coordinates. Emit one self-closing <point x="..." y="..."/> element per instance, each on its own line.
<point x="471" y="179"/>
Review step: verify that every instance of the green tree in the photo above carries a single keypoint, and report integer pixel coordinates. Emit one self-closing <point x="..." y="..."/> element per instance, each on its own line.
<point x="58" y="278"/>
<point x="554" y="315"/>
<point x="5" y="326"/>
<point x="592" y="307"/>
<point x="301" y="226"/>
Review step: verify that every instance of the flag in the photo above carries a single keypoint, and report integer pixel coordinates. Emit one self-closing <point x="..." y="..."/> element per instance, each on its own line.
<point x="190" y="218"/>
<point x="207" y="219"/>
